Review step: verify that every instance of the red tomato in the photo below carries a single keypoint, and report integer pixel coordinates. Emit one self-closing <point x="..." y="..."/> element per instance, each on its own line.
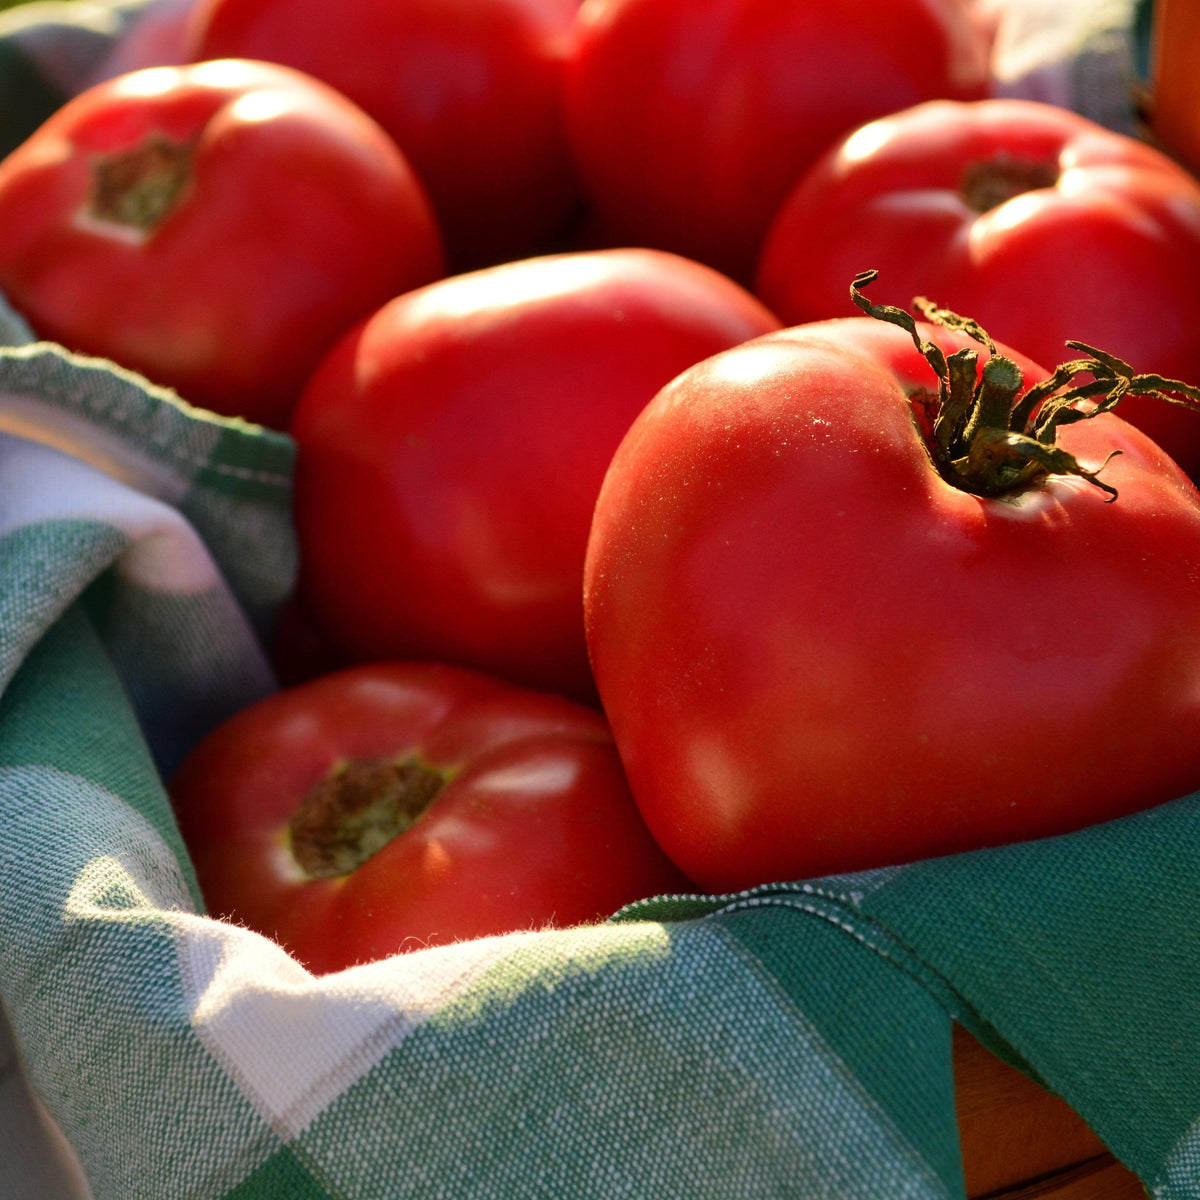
<point x="214" y="227"/>
<point x="692" y="119"/>
<point x="819" y="653"/>
<point x="393" y="806"/>
<point x="451" y="449"/>
<point x="1041" y="224"/>
<point x="471" y="90"/>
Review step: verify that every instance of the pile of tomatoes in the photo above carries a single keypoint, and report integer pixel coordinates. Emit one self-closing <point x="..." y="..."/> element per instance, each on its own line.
<point x="635" y="556"/>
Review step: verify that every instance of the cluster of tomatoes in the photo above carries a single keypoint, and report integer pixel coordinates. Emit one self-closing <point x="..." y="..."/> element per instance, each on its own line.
<point x="635" y="558"/>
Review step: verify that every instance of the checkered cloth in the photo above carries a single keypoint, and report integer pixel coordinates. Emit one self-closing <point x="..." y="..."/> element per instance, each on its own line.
<point x="792" y="1041"/>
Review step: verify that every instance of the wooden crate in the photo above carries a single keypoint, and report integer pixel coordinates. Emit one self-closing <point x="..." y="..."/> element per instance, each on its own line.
<point x="1021" y="1143"/>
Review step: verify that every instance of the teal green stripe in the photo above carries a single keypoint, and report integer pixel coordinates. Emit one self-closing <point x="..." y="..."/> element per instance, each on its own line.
<point x="281" y="1177"/>
<point x="88" y="964"/>
<point x="44" y="567"/>
<point x="66" y="707"/>
<point x="893" y="1036"/>
<point x="249" y="464"/>
<point x="1082" y="953"/>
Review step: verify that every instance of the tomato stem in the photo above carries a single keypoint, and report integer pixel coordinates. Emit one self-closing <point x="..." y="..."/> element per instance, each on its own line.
<point x="987" y="438"/>
<point x="356" y="810"/>
<point x="136" y="188"/>
<point x="988" y="183"/>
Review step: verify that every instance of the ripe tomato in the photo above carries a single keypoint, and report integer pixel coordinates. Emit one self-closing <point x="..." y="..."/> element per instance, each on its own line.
<point x="399" y="805"/>
<point x="451" y="448"/>
<point x="214" y="227"/>
<point x="819" y="653"/>
<point x="692" y="119"/>
<point x="1041" y="224"/>
<point x="471" y="90"/>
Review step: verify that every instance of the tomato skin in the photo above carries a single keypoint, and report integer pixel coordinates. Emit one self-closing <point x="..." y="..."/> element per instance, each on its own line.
<point x="534" y="826"/>
<point x="692" y="119"/>
<point x="1105" y="251"/>
<point x="471" y="90"/>
<point x="451" y="449"/>
<point x="299" y="216"/>
<point x="817" y="656"/>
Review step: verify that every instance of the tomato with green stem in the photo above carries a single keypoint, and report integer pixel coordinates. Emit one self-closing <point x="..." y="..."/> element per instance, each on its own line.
<point x="869" y="590"/>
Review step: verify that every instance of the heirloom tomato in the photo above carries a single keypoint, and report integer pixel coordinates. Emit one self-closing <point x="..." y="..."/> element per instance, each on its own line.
<point x="471" y="90"/>
<point x="398" y="805"/>
<point x="692" y="119"/>
<point x="844" y="614"/>
<point x="1041" y="224"/>
<point x="214" y="227"/>
<point x="451" y="448"/>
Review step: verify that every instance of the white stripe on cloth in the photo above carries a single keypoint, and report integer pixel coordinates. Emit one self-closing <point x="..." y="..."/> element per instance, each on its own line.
<point x="36" y="1161"/>
<point x="40" y="484"/>
<point x="294" y="1042"/>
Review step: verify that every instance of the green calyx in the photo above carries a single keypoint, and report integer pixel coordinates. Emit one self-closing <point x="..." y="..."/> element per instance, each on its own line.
<point x="988" y="438"/>
<point x="137" y="188"/>
<point x="986" y="184"/>
<point x="358" y="808"/>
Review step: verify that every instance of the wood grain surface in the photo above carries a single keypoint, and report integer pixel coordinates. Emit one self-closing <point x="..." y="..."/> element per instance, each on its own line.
<point x="1019" y="1142"/>
<point x="1175" y="82"/>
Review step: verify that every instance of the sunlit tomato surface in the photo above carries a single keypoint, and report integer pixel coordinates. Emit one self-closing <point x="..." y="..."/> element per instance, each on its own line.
<point x="451" y="449"/>
<point x="692" y="119"/>
<point x="817" y="654"/>
<point x="471" y="90"/>
<point x="1039" y="223"/>
<point x="214" y="227"/>
<point x="395" y="806"/>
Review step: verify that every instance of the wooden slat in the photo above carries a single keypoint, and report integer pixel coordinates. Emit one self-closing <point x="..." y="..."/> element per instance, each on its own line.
<point x="1097" y="1179"/>
<point x="1175" y="80"/>
<point x="1012" y="1130"/>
